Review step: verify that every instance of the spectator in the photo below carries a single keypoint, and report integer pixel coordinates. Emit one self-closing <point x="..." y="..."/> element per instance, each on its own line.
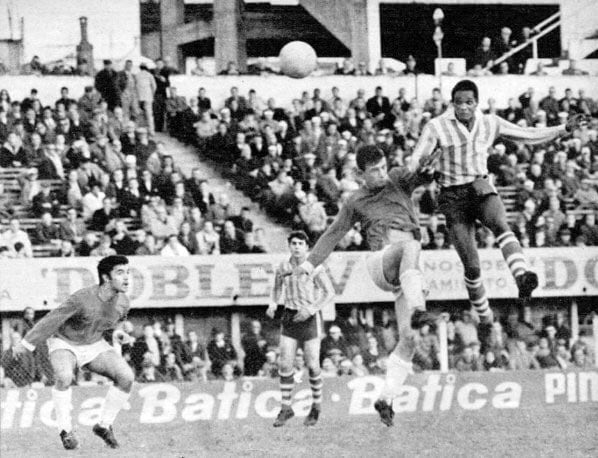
<point x="427" y="350"/>
<point x="467" y="362"/>
<point x="221" y="352"/>
<point x="46" y="230"/>
<point x="466" y="330"/>
<point x="146" y="88"/>
<point x="104" y="248"/>
<point x="270" y="367"/>
<point x="14" y="235"/>
<point x="371" y="356"/>
<point x="573" y="70"/>
<point x="484" y="55"/>
<point x="106" y="82"/>
<point x="231" y="240"/>
<point x="173" y="247"/>
<point x="45" y="201"/>
<point x="333" y="341"/>
<point x="410" y="68"/>
<point x="254" y="345"/>
<point x="208" y="240"/>
<point x="20" y="369"/>
<point x="149" y="374"/>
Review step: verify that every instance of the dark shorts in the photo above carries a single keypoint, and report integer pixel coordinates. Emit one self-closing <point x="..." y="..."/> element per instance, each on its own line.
<point x="461" y="203"/>
<point x="302" y="331"/>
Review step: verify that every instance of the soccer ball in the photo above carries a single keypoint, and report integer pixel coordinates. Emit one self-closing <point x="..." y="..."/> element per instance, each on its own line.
<point x="297" y="59"/>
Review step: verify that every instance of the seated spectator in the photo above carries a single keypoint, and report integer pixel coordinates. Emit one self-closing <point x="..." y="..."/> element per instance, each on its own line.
<point x="46" y="200"/>
<point x="270" y="367"/>
<point x="104" y="219"/>
<point x="88" y="244"/>
<point x="21" y="370"/>
<point x="121" y="241"/>
<point x="104" y="248"/>
<point x="149" y="373"/>
<point x="208" y="240"/>
<point x="221" y="352"/>
<point x="92" y="201"/>
<point x="333" y="341"/>
<point x="162" y="225"/>
<point x="545" y="355"/>
<point x="173" y="247"/>
<point x="254" y="345"/>
<point x="329" y="370"/>
<point x="371" y="356"/>
<point x="46" y="230"/>
<point x="67" y="250"/>
<point x="172" y="372"/>
<point x="13" y="235"/>
<point x="466" y="329"/>
<point x="427" y="350"/>
<point x="468" y="362"/>
<point x="231" y="239"/>
<point x="586" y="196"/>
<point x="12" y="153"/>
<point x="580" y="358"/>
<point x="72" y="228"/>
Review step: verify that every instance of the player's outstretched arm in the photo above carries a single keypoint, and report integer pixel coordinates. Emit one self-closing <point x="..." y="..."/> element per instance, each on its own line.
<point x="329" y="239"/>
<point x="49" y="324"/>
<point x="536" y="135"/>
<point x="425" y="153"/>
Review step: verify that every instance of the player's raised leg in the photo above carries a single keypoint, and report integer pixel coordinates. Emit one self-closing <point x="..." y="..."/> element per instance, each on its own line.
<point x="63" y="364"/>
<point x="463" y="237"/>
<point x="400" y="262"/>
<point x="493" y="216"/>
<point x="113" y="366"/>
<point x="311" y="350"/>
<point x="288" y="349"/>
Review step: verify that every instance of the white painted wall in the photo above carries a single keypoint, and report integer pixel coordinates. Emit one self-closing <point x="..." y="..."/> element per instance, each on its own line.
<point x="52" y="27"/>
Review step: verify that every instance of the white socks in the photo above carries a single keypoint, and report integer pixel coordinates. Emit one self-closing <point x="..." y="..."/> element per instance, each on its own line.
<point x="115" y="400"/>
<point x="412" y="286"/>
<point x="62" y="407"/>
<point x="397" y="371"/>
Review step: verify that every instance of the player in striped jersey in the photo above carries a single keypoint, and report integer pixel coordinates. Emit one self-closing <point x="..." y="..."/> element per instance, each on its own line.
<point x="456" y="144"/>
<point x="303" y="299"/>
<point x="383" y="206"/>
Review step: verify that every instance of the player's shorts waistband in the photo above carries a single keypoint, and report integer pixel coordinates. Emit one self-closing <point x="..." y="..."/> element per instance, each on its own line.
<point x="459" y="186"/>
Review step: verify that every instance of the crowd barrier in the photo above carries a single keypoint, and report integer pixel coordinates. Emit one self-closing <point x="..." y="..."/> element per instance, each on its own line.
<point x="252" y="399"/>
<point x="284" y="89"/>
<point x="243" y="280"/>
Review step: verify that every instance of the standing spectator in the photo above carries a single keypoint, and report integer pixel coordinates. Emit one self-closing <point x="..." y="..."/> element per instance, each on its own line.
<point x="484" y="55"/>
<point x="378" y="106"/>
<point x="106" y="82"/>
<point x="221" y="352"/>
<point x="162" y="74"/>
<point x="503" y="45"/>
<point x="255" y="346"/>
<point x="146" y="88"/>
<point x="127" y="84"/>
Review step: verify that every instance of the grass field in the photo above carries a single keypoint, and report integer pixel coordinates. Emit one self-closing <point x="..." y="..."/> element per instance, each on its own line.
<point x="557" y="431"/>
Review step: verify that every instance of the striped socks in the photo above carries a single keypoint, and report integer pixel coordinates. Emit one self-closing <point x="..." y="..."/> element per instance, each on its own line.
<point x="478" y="298"/>
<point x="315" y="383"/>
<point x="512" y="252"/>
<point x="287" y="382"/>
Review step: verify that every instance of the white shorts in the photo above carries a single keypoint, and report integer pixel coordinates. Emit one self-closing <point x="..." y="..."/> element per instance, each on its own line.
<point x="83" y="353"/>
<point x="375" y="266"/>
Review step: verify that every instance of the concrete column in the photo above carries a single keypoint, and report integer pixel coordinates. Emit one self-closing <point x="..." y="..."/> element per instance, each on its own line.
<point x="365" y="32"/>
<point x="230" y="34"/>
<point x="172" y="15"/>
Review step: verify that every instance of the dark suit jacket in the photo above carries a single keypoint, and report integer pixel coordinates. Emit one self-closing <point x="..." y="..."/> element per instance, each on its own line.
<point x="373" y="107"/>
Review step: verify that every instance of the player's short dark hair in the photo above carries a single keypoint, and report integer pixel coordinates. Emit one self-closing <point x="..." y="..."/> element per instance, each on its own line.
<point x="368" y="155"/>
<point x="301" y="235"/>
<point x="106" y="265"/>
<point x="465" y="85"/>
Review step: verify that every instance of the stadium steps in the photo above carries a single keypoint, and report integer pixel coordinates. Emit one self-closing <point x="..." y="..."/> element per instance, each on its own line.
<point x="186" y="158"/>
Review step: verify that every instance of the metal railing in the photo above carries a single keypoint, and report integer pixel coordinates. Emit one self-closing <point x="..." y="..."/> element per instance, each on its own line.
<point x="543" y="28"/>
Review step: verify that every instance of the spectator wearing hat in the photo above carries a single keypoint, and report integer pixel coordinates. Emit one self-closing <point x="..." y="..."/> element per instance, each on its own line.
<point x="106" y="82"/>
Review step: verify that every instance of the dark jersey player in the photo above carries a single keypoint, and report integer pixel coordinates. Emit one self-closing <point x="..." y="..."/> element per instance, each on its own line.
<point x="74" y="333"/>
<point x="384" y="208"/>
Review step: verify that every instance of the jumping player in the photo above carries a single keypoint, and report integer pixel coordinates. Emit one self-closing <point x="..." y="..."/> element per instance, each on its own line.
<point x="383" y="206"/>
<point x="74" y="332"/>
<point x="304" y="297"/>
<point x="456" y="144"/>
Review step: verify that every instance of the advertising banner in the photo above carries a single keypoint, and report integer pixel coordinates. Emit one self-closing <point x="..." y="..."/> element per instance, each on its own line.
<point x="240" y="280"/>
<point x="251" y="399"/>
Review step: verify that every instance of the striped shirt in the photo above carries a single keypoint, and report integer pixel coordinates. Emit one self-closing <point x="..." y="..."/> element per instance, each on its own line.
<point x="460" y="155"/>
<point x="302" y="291"/>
